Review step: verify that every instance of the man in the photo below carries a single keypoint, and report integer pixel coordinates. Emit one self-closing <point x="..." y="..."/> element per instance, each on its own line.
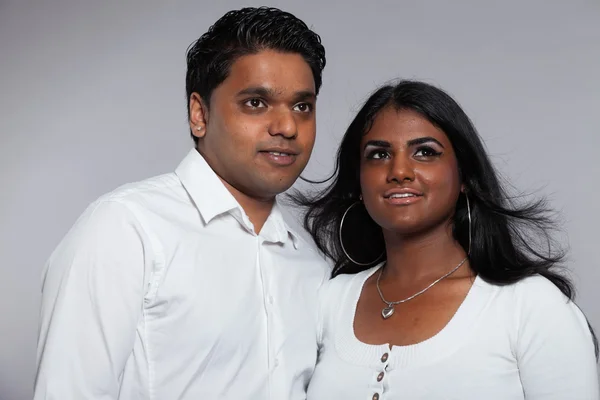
<point x="190" y="285"/>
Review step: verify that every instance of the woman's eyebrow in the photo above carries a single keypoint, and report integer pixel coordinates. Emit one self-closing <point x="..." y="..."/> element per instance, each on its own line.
<point x="423" y="140"/>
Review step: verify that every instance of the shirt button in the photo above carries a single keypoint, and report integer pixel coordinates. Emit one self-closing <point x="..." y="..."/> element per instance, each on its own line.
<point x="380" y="376"/>
<point x="276" y="363"/>
<point x="271" y="299"/>
<point x="376" y="396"/>
<point x="384" y="357"/>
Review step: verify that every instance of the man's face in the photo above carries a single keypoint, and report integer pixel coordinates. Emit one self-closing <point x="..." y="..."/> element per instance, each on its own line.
<point x="259" y="130"/>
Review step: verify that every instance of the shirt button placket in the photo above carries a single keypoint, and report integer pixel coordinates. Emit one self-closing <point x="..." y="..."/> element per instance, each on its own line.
<point x="384" y="359"/>
<point x="263" y="261"/>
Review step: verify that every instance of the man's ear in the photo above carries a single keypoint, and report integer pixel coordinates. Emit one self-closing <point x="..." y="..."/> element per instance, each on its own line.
<point x="198" y="115"/>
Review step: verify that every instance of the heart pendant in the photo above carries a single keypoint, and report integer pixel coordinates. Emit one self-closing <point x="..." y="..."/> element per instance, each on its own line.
<point x="387" y="312"/>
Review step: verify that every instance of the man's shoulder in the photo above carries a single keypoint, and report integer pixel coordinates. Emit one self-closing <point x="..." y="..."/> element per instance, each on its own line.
<point x="134" y="191"/>
<point x="151" y="196"/>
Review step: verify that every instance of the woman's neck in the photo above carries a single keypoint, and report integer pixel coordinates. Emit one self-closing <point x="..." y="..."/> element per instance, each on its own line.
<point x="423" y="257"/>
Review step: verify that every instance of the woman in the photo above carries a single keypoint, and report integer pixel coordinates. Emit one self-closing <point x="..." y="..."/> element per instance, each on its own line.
<point x="443" y="288"/>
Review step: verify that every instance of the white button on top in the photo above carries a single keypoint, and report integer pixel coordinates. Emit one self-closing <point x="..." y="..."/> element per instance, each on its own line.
<point x="270" y="299"/>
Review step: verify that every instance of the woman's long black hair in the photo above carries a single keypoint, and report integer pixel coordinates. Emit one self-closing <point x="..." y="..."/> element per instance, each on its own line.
<point x="511" y="240"/>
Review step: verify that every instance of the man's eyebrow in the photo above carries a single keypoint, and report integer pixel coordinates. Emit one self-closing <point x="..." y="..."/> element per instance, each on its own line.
<point x="305" y="95"/>
<point x="261" y="91"/>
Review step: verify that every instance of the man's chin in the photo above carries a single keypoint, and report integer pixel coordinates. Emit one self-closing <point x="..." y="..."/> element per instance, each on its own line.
<point x="275" y="190"/>
<point x="276" y="182"/>
<point x="265" y="189"/>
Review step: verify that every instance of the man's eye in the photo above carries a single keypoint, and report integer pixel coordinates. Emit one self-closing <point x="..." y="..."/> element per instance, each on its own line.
<point x="254" y="103"/>
<point x="303" y="107"/>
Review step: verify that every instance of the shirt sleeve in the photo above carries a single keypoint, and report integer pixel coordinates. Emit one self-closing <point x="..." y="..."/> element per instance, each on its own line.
<point x="555" y="351"/>
<point x="92" y="298"/>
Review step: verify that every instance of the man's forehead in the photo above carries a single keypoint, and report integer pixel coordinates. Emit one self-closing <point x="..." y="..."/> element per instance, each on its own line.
<point x="279" y="72"/>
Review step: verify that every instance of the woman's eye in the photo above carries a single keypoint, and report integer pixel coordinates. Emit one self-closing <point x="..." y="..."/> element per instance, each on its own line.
<point x="426" y="152"/>
<point x="255" y="103"/>
<point x="377" y="155"/>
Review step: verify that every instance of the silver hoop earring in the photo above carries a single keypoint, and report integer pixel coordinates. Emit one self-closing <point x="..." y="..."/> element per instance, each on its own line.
<point x="342" y="243"/>
<point x="469" y="216"/>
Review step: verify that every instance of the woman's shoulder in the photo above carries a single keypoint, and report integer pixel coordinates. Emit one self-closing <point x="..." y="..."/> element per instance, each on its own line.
<point x="344" y="282"/>
<point x="536" y="290"/>
<point x="343" y="287"/>
<point x="536" y="300"/>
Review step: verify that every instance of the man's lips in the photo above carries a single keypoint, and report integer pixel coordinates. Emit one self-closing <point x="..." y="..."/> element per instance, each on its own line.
<point x="286" y="151"/>
<point x="280" y="156"/>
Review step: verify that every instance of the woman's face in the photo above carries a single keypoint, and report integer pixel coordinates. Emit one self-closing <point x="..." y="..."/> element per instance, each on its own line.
<point x="408" y="173"/>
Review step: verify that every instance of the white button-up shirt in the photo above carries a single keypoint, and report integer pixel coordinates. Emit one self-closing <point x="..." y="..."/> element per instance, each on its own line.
<point x="162" y="290"/>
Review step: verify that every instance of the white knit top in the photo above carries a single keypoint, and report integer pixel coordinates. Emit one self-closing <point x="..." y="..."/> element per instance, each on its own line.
<point x="520" y="341"/>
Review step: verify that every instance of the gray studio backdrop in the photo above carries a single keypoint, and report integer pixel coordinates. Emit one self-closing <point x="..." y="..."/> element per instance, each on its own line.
<point x="92" y="96"/>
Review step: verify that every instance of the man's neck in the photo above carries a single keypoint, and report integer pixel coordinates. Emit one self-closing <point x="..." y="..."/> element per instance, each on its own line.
<point x="257" y="209"/>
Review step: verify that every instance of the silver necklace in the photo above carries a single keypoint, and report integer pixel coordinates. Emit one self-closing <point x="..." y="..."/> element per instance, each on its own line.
<point x="388" y="311"/>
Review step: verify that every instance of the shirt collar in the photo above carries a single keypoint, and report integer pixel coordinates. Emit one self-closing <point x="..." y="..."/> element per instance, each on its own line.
<point x="205" y="188"/>
<point x="212" y="198"/>
<point x="277" y="230"/>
